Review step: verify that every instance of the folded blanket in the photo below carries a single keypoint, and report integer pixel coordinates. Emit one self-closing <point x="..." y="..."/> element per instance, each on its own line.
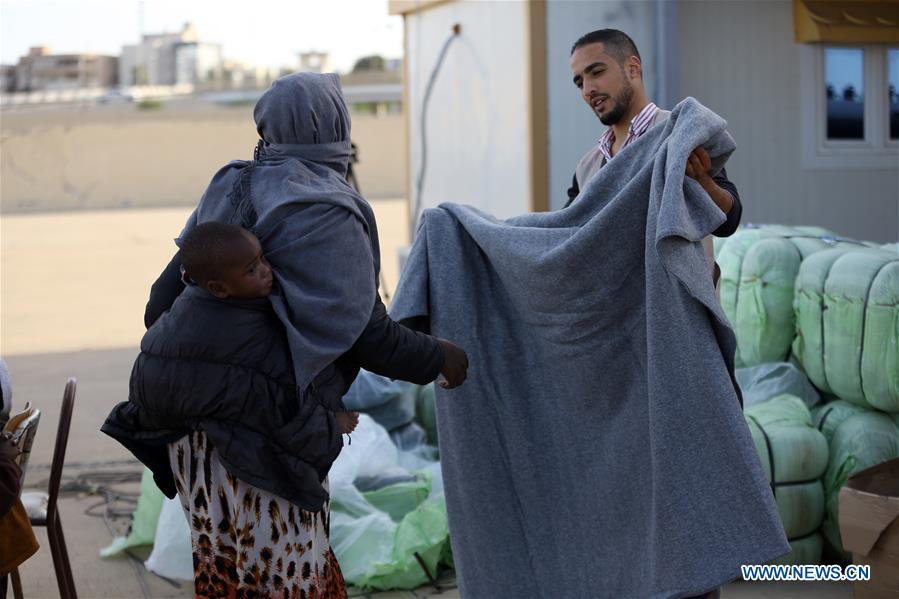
<point x="598" y="448"/>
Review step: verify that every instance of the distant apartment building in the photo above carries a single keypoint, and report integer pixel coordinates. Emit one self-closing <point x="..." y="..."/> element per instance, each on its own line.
<point x="42" y="71"/>
<point x="314" y="62"/>
<point x="374" y="87"/>
<point x="7" y="78"/>
<point x="170" y="59"/>
<point x="198" y="63"/>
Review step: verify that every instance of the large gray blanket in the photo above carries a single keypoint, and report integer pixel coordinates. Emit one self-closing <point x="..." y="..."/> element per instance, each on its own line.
<point x="598" y="448"/>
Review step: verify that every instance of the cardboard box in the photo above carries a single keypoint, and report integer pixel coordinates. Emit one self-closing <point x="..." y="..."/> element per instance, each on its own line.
<point x="869" y="527"/>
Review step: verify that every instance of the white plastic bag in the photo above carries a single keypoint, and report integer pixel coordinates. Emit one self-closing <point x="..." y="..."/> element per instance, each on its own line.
<point x="172" y="553"/>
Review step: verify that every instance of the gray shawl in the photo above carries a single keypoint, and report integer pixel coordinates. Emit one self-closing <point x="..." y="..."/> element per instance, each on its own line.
<point x="598" y="448"/>
<point x="318" y="234"/>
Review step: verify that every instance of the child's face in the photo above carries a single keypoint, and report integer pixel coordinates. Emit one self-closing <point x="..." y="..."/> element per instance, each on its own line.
<point x="248" y="274"/>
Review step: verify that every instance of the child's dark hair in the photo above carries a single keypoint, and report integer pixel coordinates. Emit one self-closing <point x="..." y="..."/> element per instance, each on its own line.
<point x="203" y="247"/>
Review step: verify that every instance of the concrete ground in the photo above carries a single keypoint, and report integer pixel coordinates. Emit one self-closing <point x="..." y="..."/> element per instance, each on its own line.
<point x="71" y="306"/>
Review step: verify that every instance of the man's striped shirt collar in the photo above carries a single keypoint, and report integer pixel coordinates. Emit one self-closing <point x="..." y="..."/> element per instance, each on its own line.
<point x="639" y="125"/>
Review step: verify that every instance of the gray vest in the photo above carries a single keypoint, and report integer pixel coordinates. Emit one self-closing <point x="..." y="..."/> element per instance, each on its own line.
<point x="593" y="160"/>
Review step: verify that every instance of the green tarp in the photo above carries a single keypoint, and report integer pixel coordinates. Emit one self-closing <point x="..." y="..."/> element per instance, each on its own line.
<point x="847" y="316"/>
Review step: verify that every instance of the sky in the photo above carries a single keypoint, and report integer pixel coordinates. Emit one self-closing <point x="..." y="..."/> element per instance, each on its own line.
<point x="844" y="67"/>
<point x="261" y="32"/>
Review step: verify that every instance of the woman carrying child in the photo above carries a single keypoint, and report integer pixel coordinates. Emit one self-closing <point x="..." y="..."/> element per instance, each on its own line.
<point x="235" y="399"/>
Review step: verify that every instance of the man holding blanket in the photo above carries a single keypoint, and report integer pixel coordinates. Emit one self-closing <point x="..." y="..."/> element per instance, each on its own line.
<point x="607" y="69"/>
<point x="598" y="447"/>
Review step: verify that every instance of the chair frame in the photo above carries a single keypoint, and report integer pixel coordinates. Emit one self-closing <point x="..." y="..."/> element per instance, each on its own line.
<point x="58" y="552"/>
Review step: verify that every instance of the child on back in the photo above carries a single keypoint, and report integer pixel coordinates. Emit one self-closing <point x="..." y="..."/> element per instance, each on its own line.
<point x="218" y="362"/>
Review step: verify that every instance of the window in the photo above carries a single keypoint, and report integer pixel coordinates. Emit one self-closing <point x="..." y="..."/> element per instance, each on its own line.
<point x="893" y="91"/>
<point x="844" y="78"/>
<point x="850" y="107"/>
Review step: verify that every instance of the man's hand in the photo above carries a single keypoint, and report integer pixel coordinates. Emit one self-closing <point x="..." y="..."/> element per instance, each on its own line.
<point x="698" y="165"/>
<point x="346" y="421"/>
<point x="455" y="364"/>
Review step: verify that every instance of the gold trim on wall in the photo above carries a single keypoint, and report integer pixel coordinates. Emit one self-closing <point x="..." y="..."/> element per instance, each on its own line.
<point x="538" y="124"/>
<point x="846" y="21"/>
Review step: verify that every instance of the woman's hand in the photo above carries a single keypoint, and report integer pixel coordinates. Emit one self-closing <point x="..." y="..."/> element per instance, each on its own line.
<point x="346" y="421"/>
<point x="455" y="364"/>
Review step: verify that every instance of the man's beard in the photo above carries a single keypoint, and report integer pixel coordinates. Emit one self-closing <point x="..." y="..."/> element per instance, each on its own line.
<point x="622" y="102"/>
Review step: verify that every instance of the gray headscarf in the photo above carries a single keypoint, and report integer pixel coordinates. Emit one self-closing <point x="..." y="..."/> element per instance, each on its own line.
<point x="317" y="232"/>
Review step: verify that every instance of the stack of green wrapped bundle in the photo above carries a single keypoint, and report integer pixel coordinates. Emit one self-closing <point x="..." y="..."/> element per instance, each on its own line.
<point x="847" y="319"/>
<point x="860" y="441"/>
<point x="828" y="417"/>
<point x="758" y="272"/>
<point x="794" y="457"/>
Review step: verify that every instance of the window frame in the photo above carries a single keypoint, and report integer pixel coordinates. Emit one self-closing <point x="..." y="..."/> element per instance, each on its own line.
<point x="876" y="150"/>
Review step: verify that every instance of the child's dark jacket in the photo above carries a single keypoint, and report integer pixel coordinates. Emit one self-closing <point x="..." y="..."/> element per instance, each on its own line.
<point x="223" y="367"/>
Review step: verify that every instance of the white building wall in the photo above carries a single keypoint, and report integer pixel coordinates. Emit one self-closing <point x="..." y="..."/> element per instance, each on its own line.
<point x="739" y="59"/>
<point x="573" y="128"/>
<point x="477" y="121"/>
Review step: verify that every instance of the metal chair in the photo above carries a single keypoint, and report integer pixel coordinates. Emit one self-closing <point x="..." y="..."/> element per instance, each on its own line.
<point x="42" y="507"/>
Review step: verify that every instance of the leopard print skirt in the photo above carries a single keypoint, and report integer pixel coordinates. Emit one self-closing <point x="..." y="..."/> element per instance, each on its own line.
<point x="246" y="541"/>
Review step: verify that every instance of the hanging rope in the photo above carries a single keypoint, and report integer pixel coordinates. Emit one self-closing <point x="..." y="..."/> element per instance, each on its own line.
<point x="420" y="181"/>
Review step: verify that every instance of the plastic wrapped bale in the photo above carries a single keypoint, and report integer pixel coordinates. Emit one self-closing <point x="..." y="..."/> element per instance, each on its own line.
<point x="794" y="456"/>
<point x="758" y="272"/>
<point x="419" y="545"/>
<point x="829" y="416"/>
<point x="398" y="499"/>
<point x="375" y="552"/>
<point x="390" y="403"/>
<point x="718" y="243"/>
<point x="382" y="514"/>
<point x="426" y="412"/>
<point x="761" y="383"/>
<point x="144" y="519"/>
<point x="847" y="310"/>
<point x="861" y="441"/>
<point x="409" y="436"/>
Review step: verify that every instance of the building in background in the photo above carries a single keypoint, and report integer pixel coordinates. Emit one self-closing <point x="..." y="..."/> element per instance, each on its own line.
<point x="198" y="63"/>
<point x="808" y="87"/>
<point x="155" y="60"/>
<point x="314" y="62"/>
<point x="7" y="78"/>
<point x="42" y="71"/>
<point x="374" y="86"/>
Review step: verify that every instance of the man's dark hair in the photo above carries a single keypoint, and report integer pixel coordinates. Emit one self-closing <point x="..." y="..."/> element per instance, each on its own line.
<point x="204" y="248"/>
<point x="617" y="44"/>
